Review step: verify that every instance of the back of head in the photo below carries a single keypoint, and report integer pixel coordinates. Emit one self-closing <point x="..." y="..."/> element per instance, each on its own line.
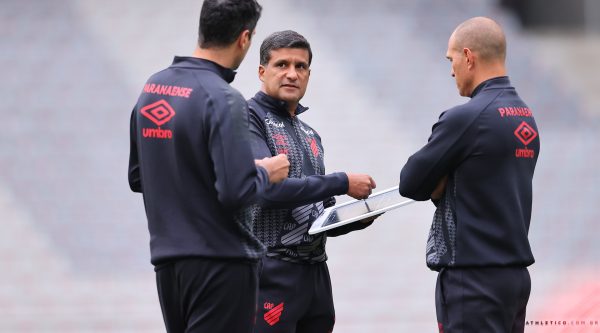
<point x="482" y="36"/>
<point x="222" y="21"/>
<point x="280" y="40"/>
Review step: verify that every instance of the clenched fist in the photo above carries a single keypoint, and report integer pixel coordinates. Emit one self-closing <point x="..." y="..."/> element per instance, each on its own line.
<point x="278" y="167"/>
<point x="360" y="186"/>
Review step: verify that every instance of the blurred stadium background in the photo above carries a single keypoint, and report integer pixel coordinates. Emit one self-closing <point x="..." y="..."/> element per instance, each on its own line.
<point x="74" y="242"/>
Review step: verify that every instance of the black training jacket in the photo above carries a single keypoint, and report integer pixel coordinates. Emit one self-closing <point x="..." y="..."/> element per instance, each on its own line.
<point x="288" y="209"/>
<point x="489" y="148"/>
<point x="190" y="157"/>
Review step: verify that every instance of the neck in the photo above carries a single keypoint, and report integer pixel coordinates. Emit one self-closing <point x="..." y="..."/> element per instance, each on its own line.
<point x="488" y="72"/>
<point x="292" y="108"/>
<point x="221" y="56"/>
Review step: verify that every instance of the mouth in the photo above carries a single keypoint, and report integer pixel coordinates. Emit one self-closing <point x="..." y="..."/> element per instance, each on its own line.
<point x="291" y="86"/>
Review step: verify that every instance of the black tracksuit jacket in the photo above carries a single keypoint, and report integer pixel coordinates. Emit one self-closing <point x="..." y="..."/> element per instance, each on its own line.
<point x="489" y="148"/>
<point x="288" y="209"/>
<point x="190" y="157"/>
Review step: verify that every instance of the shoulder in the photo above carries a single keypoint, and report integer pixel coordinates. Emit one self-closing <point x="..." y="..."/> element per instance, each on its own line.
<point x="257" y="113"/>
<point x="221" y="95"/>
<point x="457" y="120"/>
<point x="460" y="114"/>
<point x="255" y="107"/>
<point x="162" y="74"/>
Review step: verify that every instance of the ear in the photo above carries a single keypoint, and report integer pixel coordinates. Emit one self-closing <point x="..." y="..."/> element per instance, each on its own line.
<point x="243" y="40"/>
<point x="261" y="73"/>
<point x="470" y="57"/>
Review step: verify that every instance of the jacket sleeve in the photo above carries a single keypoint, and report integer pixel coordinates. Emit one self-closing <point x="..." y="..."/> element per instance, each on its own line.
<point x="238" y="179"/>
<point x="292" y="192"/>
<point x="133" y="174"/>
<point x="442" y="153"/>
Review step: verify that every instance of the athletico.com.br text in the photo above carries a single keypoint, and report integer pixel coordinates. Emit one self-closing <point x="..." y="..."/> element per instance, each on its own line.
<point x="562" y="323"/>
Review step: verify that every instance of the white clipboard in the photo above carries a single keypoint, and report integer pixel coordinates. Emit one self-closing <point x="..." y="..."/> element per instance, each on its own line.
<point x="355" y="210"/>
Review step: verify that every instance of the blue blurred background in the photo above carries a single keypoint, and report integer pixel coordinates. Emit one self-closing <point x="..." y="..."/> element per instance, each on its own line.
<point x="74" y="241"/>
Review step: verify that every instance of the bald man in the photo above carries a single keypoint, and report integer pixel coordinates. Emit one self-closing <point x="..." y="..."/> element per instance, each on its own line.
<point x="477" y="168"/>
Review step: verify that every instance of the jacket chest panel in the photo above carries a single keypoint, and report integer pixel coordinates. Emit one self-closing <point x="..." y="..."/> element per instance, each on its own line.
<point x="301" y="145"/>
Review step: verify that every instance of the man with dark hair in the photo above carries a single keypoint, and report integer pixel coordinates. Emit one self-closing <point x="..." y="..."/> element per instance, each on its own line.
<point x="222" y="22"/>
<point x="295" y="289"/>
<point x="190" y="157"/>
<point x="478" y="168"/>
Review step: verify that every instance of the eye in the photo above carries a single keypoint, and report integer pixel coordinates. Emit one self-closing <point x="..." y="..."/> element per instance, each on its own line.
<point x="280" y="65"/>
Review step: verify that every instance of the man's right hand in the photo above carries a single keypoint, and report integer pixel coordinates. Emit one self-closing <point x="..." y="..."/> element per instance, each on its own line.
<point x="360" y="186"/>
<point x="278" y="167"/>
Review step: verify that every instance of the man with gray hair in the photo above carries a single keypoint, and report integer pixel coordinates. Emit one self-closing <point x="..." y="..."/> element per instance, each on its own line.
<point x="478" y="167"/>
<point x="294" y="287"/>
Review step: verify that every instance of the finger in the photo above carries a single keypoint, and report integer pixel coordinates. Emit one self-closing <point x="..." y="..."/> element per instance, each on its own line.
<point x="373" y="185"/>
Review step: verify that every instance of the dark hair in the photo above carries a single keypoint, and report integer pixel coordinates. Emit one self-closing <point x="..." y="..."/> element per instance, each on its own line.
<point x="222" y="21"/>
<point x="282" y="40"/>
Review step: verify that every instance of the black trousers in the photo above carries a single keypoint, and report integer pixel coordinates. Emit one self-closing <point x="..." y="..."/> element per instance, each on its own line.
<point x="203" y="295"/>
<point x="294" y="298"/>
<point x="490" y="299"/>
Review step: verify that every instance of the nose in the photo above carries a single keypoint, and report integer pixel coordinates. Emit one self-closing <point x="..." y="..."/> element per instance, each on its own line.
<point x="291" y="74"/>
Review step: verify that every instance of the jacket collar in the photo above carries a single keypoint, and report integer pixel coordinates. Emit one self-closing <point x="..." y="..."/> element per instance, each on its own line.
<point x="497" y="82"/>
<point x="198" y="63"/>
<point x="277" y="105"/>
